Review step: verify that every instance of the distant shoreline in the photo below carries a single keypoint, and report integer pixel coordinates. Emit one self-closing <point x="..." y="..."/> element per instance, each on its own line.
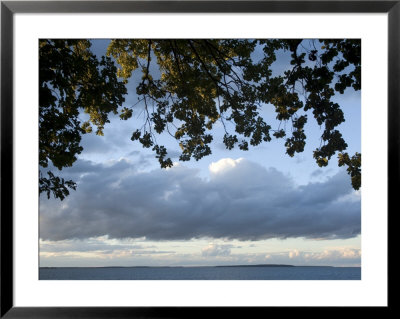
<point x="218" y="266"/>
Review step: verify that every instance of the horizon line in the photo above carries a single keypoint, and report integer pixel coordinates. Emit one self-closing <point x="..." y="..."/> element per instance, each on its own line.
<point x="210" y="266"/>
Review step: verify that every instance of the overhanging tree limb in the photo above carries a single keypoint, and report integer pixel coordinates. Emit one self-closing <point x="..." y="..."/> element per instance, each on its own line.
<point x="200" y="82"/>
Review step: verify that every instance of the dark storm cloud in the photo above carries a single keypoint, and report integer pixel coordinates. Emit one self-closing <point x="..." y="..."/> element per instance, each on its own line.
<point x="241" y="200"/>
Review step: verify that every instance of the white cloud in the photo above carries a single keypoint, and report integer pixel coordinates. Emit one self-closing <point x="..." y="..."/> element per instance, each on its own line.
<point x="216" y="250"/>
<point x="344" y="255"/>
<point x="293" y="254"/>
<point x="223" y="165"/>
<point x="103" y="251"/>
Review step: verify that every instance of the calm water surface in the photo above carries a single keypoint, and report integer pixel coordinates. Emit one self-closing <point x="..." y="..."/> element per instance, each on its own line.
<point x="201" y="273"/>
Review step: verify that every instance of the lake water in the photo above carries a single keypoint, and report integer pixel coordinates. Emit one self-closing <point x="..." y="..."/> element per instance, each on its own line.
<point x="201" y="273"/>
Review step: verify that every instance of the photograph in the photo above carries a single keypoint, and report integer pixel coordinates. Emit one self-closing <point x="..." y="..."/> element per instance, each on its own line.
<point x="199" y="159"/>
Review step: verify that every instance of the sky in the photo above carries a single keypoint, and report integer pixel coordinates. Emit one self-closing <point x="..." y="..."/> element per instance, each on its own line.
<point x="232" y="207"/>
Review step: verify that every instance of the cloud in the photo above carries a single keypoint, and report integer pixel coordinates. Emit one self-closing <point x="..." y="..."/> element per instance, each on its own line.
<point x="97" y="251"/>
<point x="317" y="173"/>
<point x="216" y="250"/>
<point x="211" y="255"/>
<point x="343" y="256"/>
<point x="98" y="244"/>
<point x="241" y="200"/>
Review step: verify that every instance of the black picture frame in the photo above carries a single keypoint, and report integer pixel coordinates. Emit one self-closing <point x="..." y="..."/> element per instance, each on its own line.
<point x="9" y="8"/>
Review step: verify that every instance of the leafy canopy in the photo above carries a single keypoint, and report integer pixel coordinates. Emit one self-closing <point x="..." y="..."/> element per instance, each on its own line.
<point x="71" y="79"/>
<point x="187" y="86"/>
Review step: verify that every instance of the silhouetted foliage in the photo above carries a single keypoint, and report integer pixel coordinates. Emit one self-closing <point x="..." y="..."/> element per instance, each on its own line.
<point x="189" y="85"/>
<point x="71" y="79"/>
